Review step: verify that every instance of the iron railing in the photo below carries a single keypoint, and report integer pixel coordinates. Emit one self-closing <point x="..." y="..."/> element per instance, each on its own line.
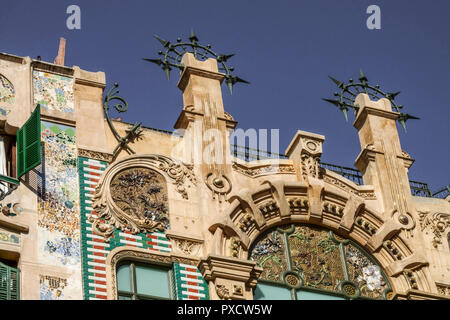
<point x="420" y="189"/>
<point x="7" y="186"/>
<point x="247" y="154"/>
<point x="349" y="173"/>
<point x="250" y="154"/>
<point x="442" y="193"/>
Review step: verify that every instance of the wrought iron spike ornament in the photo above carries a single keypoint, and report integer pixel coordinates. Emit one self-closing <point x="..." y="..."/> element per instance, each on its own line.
<point x="172" y="54"/>
<point x="348" y="92"/>
<point x="133" y="132"/>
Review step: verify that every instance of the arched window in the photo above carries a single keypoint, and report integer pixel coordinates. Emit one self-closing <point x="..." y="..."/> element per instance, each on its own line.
<point x="303" y="262"/>
<point x="140" y="281"/>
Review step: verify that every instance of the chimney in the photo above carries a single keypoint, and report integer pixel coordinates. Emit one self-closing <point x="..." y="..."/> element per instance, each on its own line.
<point x="59" y="60"/>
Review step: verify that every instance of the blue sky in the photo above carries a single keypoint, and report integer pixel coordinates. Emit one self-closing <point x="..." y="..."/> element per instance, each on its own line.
<point x="286" y="49"/>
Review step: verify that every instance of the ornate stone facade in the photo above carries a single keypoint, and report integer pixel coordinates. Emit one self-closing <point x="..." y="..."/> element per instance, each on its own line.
<point x="234" y="226"/>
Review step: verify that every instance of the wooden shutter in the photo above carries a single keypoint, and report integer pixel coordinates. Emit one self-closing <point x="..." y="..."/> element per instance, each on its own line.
<point x="29" y="143"/>
<point x="9" y="283"/>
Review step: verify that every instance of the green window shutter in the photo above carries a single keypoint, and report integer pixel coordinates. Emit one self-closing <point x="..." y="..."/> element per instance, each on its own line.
<point x="9" y="283"/>
<point x="29" y="143"/>
<point x="3" y="282"/>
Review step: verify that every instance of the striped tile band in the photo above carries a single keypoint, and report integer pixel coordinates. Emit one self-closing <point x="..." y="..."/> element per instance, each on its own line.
<point x="188" y="282"/>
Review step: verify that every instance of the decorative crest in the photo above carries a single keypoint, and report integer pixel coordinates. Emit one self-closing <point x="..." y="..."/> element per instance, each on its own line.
<point x="349" y="92"/>
<point x="173" y="52"/>
<point x="133" y="132"/>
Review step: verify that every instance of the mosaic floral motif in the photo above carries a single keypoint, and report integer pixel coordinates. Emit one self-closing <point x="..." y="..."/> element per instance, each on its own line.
<point x="270" y="254"/>
<point x="53" y="92"/>
<point x="141" y="193"/>
<point x="66" y="249"/>
<point x="7" y="96"/>
<point x="363" y="272"/>
<point x="52" y="288"/>
<point x="58" y="195"/>
<point x="316" y="258"/>
<point x="8" y="237"/>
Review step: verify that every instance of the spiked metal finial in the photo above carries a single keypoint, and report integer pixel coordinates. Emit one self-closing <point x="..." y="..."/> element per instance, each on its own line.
<point x="173" y="54"/>
<point x="350" y="91"/>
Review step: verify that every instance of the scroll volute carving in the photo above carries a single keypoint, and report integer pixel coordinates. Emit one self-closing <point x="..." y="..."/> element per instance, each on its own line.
<point x="135" y="200"/>
<point x="132" y="195"/>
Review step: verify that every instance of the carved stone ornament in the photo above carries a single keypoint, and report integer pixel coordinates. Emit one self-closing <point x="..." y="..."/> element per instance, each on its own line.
<point x="185" y="244"/>
<point x="437" y="222"/>
<point x="310" y="165"/>
<point x="220" y="185"/>
<point x="95" y="155"/>
<point x="368" y="195"/>
<point x="269" y="169"/>
<point x="132" y="194"/>
<point x="222" y="292"/>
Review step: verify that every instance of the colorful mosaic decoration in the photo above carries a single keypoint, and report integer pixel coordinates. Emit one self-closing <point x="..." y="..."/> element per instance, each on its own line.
<point x="316" y="258"/>
<point x="7" y="96"/>
<point x="319" y="260"/>
<point x="52" y="288"/>
<point x="188" y="283"/>
<point x="58" y="219"/>
<point x="9" y="238"/>
<point x="365" y="273"/>
<point x="53" y="92"/>
<point x="270" y="254"/>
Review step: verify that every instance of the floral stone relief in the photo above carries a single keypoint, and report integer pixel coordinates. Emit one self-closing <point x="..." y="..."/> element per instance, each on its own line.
<point x="139" y="203"/>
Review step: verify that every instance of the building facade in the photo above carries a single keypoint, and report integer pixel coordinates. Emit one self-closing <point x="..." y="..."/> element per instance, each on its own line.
<point x="115" y="211"/>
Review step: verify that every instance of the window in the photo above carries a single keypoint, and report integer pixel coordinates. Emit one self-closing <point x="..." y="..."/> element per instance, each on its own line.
<point x="138" y="281"/>
<point x="9" y="281"/>
<point x="303" y="262"/>
<point x="24" y="157"/>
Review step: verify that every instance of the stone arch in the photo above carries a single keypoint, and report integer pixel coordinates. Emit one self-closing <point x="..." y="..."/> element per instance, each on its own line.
<point x="317" y="258"/>
<point x="335" y="209"/>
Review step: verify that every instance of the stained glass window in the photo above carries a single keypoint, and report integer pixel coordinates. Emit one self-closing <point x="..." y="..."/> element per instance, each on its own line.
<point x="304" y="262"/>
<point x="137" y="281"/>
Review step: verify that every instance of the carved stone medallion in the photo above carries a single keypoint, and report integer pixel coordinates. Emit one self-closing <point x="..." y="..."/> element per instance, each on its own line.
<point x="141" y="194"/>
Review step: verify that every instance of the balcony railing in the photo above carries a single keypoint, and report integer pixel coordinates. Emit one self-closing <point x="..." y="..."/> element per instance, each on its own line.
<point x="250" y="154"/>
<point x="7" y="186"/>
<point x="247" y="154"/>
<point x="349" y="173"/>
<point x="442" y="193"/>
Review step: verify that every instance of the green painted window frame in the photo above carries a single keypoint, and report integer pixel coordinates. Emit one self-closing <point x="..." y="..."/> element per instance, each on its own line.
<point x="133" y="294"/>
<point x="341" y="244"/>
<point x="9" y="290"/>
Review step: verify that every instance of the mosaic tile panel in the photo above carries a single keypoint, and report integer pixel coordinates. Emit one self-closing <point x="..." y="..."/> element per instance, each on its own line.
<point x="365" y="273"/>
<point x="270" y="254"/>
<point x="7" y="96"/>
<point x="189" y="283"/>
<point x="316" y="258"/>
<point x="53" y="92"/>
<point x="52" y="288"/>
<point x="58" y="205"/>
<point x="94" y="248"/>
<point x="323" y="261"/>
